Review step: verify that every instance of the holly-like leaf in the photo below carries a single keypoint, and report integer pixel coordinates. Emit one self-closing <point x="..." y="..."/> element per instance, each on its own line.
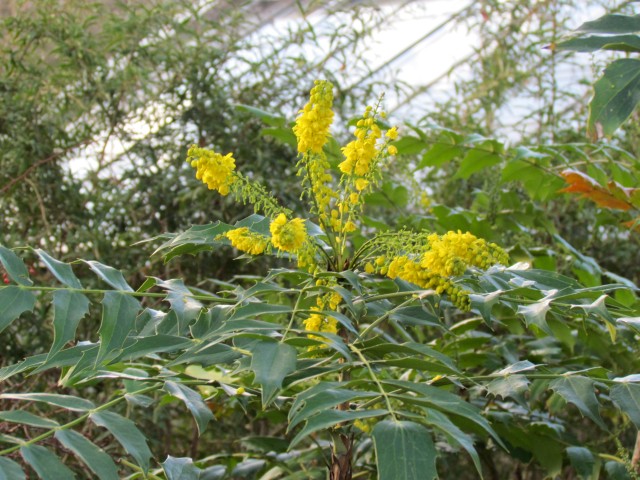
<point x="14" y="301"/>
<point x="92" y="456"/>
<point x="271" y="362"/>
<point x="582" y="460"/>
<point x="536" y="314"/>
<point x="579" y="391"/>
<point x="193" y="401"/>
<point x="127" y="434"/>
<point x="69" y="308"/>
<point x="15" y="267"/>
<point x="616" y="95"/>
<point x="404" y="450"/>
<point x="180" y="469"/>
<point x="119" y="313"/>
<point x="110" y="275"/>
<point x="62" y="271"/>
<point x="627" y="396"/>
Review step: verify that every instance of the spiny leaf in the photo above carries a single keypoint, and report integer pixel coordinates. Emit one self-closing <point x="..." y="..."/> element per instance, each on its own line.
<point x="69" y="308"/>
<point x="14" y="301"/>
<point x="110" y="275"/>
<point x="45" y="463"/>
<point x="535" y="314"/>
<point x="404" y="450"/>
<point x="194" y="403"/>
<point x="15" y="267"/>
<point x="127" y="434"/>
<point x="180" y="469"/>
<point x="271" y="362"/>
<point x="93" y="457"/>
<point x="627" y="396"/>
<point x="118" y="318"/>
<point x="579" y="391"/>
<point x="62" y="271"/>
<point x="616" y="95"/>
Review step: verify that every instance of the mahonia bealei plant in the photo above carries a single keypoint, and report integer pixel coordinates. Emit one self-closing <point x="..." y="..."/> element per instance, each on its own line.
<point x="430" y="261"/>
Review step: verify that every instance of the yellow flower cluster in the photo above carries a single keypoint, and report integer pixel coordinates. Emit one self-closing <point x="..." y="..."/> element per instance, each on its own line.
<point x="321" y="323"/>
<point x="288" y="235"/>
<point x="444" y="256"/>
<point x="312" y="126"/>
<point x="247" y="241"/>
<point x="359" y="153"/>
<point x="212" y="168"/>
<point x="451" y="253"/>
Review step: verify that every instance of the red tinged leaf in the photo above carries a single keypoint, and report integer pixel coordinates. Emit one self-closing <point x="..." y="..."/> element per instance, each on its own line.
<point x="614" y="196"/>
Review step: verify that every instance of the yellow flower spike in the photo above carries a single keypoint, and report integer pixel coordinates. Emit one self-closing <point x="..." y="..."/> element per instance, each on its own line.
<point x="288" y="236"/>
<point x="313" y="123"/>
<point x="247" y="241"/>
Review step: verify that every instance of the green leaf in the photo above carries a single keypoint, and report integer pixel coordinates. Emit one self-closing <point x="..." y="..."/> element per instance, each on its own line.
<point x="582" y="460"/>
<point x="409" y="145"/>
<point x="127" y="434"/>
<point x="14" y="301"/>
<point x="69" y="402"/>
<point x="612" y="24"/>
<point x="10" y="470"/>
<point x="26" y="418"/>
<point x="268" y="118"/>
<point x="321" y="397"/>
<point x="62" y="271"/>
<point x="579" y="391"/>
<point x="536" y="314"/>
<point x="284" y="134"/>
<point x="271" y="362"/>
<point x="482" y="155"/>
<point x="69" y="308"/>
<point x="194" y="403"/>
<point x="92" y="456"/>
<point x="180" y="469"/>
<point x="118" y="319"/>
<point x="616" y="95"/>
<point x="439" y="154"/>
<point x="440" y="421"/>
<point x="45" y="463"/>
<point x="330" y="418"/>
<point x="513" y="386"/>
<point x="624" y="43"/>
<point x="627" y="397"/>
<point x="15" y="267"/>
<point x="404" y="450"/>
<point x="110" y="275"/>
<point x="484" y="303"/>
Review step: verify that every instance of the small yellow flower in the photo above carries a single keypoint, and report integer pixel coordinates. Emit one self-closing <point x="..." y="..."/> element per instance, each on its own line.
<point x="240" y="391"/>
<point x="369" y="268"/>
<point x="361" y="184"/>
<point x="392" y="149"/>
<point x="392" y="133"/>
<point x="288" y="236"/>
